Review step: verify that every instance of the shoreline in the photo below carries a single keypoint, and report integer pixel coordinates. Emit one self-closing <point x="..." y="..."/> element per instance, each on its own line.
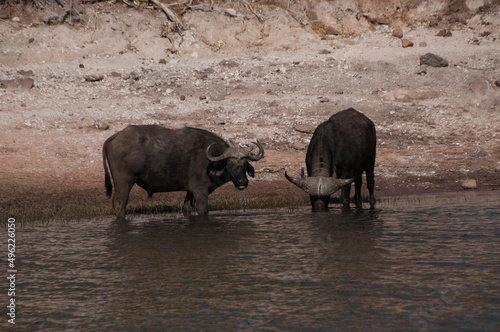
<point x="28" y="202"/>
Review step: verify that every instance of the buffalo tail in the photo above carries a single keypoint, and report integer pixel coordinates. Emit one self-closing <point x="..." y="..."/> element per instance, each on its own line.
<point x="107" y="178"/>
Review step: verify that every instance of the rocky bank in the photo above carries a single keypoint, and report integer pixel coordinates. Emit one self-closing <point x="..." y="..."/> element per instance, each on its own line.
<point x="426" y="73"/>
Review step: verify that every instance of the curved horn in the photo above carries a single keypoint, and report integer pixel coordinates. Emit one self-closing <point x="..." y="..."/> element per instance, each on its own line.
<point x="325" y="186"/>
<point x="258" y="155"/>
<point x="345" y="182"/>
<point x="212" y="158"/>
<point x="318" y="185"/>
<point x="299" y="182"/>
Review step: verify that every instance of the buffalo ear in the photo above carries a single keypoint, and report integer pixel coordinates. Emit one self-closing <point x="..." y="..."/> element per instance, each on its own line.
<point x="250" y="170"/>
<point x="217" y="169"/>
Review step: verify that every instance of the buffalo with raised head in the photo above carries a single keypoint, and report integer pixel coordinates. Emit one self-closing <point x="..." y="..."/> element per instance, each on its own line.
<point x="159" y="160"/>
<point x="341" y="149"/>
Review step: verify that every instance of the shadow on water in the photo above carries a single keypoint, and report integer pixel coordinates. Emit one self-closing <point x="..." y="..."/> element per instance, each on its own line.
<point x="427" y="262"/>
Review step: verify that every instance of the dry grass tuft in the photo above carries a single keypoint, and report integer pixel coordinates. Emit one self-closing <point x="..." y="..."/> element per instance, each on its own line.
<point x="28" y="203"/>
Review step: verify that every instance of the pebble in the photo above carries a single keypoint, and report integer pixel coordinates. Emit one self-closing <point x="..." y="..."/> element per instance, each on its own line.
<point x="433" y="60"/>
<point x="93" y="77"/>
<point x="304" y="128"/>
<point x="397" y="32"/>
<point x="444" y="33"/>
<point x="229" y="63"/>
<point x="331" y="31"/>
<point x="101" y="125"/>
<point x="406" y="43"/>
<point x="299" y="146"/>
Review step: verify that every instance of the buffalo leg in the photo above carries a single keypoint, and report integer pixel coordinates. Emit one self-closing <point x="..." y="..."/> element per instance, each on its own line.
<point x="345" y="194"/>
<point x="357" y="191"/>
<point x="188" y="203"/>
<point x="370" y="183"/>
<point x="120" y="199"/>
<point x="201" y="201"/>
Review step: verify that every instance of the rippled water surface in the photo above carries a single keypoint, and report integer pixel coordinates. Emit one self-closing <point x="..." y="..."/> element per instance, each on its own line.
<point x="430" y="262"/>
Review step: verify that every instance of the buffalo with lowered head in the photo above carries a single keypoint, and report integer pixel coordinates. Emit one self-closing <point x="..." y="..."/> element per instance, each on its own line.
<point x="159" y="160"/>
<point x="341" y="149"/>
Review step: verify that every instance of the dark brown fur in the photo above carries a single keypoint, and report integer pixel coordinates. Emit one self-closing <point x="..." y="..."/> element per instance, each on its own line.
<point x="159" y="160"/>
<point x="345" y="145"/>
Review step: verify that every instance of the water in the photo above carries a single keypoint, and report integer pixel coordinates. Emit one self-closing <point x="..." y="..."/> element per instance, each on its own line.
<point x="414" y="263"/>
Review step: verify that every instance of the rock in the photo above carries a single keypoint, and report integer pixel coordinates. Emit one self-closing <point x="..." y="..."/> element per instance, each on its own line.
<point x="434" y="22"/>
<point x="407" y="43"/>
<point x="497" y="83"/>
<point x="230" y="12"/>
<point x="477" y="153"/>
<point x="331" y="31"/>
<point x="18" y="83"/>
<point x="397" y="32"/>
<point x="229" y="63"/>
<point x="444" y="33"/>
<point x="481" y="84"/>
<point x="422" y="71"/>
<point x="433" y="60"/>
<point x="101" y="125"/>
<point x="422" y="44"/>
<point x="324" y="51"/>
<point x="381" y="20"/>
<point x="132" y="76"/>
<point x="304" y="128"/>
<point x="93" y="77"/>
<point x="52" y="20"/>
<point x="475" y="41"/>
<point x="298" y="146"/>
<point x="469" y="184"/>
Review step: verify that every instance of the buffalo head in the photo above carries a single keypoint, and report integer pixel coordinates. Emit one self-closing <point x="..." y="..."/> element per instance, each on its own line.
<point x="319" y="188"/>
<point x="234" y="163"/>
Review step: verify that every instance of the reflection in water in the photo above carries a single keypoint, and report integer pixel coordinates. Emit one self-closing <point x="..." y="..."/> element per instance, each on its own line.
<point x="417" y="262"/>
